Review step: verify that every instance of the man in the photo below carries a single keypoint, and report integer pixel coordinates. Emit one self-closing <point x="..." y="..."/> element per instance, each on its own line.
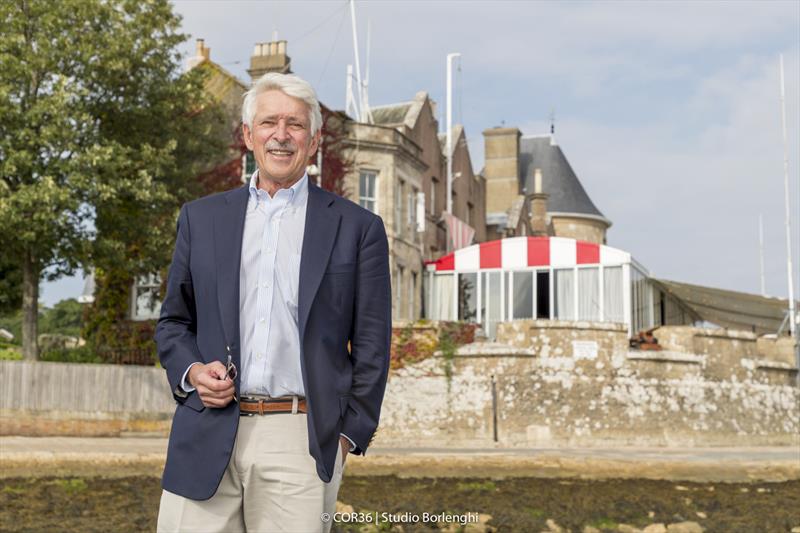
<point x="274" y="333"/>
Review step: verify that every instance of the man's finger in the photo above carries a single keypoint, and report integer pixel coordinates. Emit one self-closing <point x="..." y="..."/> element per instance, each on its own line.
<point x="215" y="369"/>
<point x="217" y="389"/>
<point x="211" y="382"/>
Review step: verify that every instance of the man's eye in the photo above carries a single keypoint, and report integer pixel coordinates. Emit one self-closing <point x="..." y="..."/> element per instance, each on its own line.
<point x="268" y="122"/>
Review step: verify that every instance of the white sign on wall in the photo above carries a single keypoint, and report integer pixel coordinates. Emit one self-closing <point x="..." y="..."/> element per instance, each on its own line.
<point x="584" y="349"/>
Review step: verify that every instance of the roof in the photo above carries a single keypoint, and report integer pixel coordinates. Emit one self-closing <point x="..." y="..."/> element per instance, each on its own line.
<point x="458" y="131"/>
<point x="221" y="83"/>
<point x="730" y="309"/>
<point x="523" y="252"/>
<point x="390" y="115"/>
<point x="566" y="194"/>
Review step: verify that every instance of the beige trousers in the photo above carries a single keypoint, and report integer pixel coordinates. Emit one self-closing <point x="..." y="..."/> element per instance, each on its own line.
<point x="270" y="484"/>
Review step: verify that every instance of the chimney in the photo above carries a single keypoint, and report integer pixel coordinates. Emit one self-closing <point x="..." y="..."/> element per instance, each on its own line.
<point x="202" y="53"/>
<point x="501" y="168"/>
<point x="538" y="203"/>
<point x="269" y="57"/>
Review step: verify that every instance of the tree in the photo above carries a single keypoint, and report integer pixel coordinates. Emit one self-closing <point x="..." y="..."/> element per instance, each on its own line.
<point x="100" y="134"/>
<point x="334" y="166"/>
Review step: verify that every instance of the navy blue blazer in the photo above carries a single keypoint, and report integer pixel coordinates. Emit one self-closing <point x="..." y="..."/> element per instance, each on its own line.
<point x="344" y="296"/>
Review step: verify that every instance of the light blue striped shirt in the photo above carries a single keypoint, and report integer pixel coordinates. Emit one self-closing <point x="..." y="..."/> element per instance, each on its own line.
<point x="268" y="288"/>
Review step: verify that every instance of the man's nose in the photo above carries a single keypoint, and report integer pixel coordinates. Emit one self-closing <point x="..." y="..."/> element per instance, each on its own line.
<point x="281" y="132"/>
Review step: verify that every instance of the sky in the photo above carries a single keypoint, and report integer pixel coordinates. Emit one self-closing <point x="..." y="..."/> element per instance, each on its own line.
<point x="669" y="112"/>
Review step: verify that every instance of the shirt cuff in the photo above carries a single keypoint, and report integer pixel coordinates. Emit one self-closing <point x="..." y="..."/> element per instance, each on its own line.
<point x="184" y="384"/>
<point x="352" y="444"/>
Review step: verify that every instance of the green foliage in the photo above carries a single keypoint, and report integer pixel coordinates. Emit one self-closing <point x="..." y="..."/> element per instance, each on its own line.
<point x="81" y="354"/>
<point x="99" y="130"/>
<point x="10" y="353"/>
<point x="481" y="486"/>
<point x="409" y="346"/>
<point x="451" y="336"/>
<point x="10" y="285"/>
<point x="12" y="321"/>
<point x="71" y="485"/>
<point x="64" y="318"/>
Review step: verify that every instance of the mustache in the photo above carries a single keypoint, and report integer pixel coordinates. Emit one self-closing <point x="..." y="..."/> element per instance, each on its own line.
<point x="276" y="145"/>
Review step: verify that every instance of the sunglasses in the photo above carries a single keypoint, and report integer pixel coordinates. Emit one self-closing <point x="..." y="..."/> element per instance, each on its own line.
<point x="231" y="372"/>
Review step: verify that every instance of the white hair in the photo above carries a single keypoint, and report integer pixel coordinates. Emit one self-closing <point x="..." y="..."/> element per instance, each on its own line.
<point x="290" y="85"/>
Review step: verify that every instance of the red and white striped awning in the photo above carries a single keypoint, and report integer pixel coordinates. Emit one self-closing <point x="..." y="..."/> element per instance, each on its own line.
<point x="522" y="252"/>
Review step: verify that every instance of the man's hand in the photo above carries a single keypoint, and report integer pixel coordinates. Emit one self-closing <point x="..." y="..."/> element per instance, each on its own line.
<point x="214" y="388"/>
<point x="345" y="445"/>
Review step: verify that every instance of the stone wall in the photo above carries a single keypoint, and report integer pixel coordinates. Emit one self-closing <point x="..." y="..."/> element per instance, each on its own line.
<point x="545" y="383"/>
<point x="560" y="383"/>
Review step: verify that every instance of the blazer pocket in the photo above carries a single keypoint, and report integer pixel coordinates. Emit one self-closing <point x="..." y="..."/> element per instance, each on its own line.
<point x="194" y="402"/>
<point x="341" y="268"/>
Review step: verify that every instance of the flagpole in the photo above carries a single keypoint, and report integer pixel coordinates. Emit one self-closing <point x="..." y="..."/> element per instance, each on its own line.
<point x="789" y="271"/>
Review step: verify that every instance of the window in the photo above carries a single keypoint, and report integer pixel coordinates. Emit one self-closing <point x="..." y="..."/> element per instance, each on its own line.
<point x="398" y="291"/>
<point x="411" y="213"/>
<point x="441" y="306"/>
<point x="145" y="302"/>
<point x="490" y="302"/>
<point x="564" y="288"/>
<point x="468" y="297"/>
<point x="412" y="292"/>
<point x="434" y="184"/>
<point x="523" y="295"/>
<point x="612" y="295"/>
<point x="366" y="190"/>
<point x="589" y="294"/>
<point x="249" y="166"/>
<point x="470" y="214"/>
<point x="398" y="208"/>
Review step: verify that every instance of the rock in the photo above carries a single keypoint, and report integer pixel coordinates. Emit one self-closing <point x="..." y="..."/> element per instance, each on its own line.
<point x="480" y="526"/>
<point x="590" y="529"/>
<point x="651" y="514"/>
<point x="655" y="528"/>
<point x="796" y="529"/>
<point x="553" y="527"/>
<point x="343" y="508"/>
<point x="625" y="528"/>
<point x="701" y="514"/>
<point x="681" y="487"/>
<point x="685" y="527"/>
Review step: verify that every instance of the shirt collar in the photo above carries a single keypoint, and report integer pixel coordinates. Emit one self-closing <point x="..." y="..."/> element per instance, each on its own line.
<point x="297" y="192"/>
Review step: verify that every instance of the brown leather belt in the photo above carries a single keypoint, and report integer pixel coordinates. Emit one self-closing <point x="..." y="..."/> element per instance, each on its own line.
<point x="249" y="405"/>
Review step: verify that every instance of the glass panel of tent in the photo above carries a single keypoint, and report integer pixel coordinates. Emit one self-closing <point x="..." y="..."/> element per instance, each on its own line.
<point x="592" y="293"/>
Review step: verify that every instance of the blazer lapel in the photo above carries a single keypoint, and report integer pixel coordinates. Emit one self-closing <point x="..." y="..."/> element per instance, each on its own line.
<point x="322" y="225"/>
<point x="228" y="232"/>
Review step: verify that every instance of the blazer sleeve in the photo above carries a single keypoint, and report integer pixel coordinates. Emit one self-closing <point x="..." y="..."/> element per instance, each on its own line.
<point x="176" y="330"/>
<point x="370" y="337"/>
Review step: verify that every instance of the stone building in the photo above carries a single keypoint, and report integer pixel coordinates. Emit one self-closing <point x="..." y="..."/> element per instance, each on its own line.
<point x="562" y="206"/>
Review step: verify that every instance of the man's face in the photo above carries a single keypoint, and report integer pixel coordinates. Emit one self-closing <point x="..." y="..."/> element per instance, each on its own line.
<point x="280" y="137"/>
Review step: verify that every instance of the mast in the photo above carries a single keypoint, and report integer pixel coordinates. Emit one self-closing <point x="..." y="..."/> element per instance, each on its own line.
<point x="449" y="132"/>
<point x="789" y="271"/>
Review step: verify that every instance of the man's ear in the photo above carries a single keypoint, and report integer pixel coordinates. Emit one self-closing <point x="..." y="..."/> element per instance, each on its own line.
<point x="248" y="138"/>
<point x="315" y="141"/>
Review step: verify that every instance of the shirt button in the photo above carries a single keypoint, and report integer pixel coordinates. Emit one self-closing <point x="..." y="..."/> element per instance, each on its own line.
<point x="261" y="319"/>
<point x="259" y="355"/>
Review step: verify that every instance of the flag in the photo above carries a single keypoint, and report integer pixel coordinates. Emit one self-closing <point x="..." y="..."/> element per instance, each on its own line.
<point x="460" y="233"/>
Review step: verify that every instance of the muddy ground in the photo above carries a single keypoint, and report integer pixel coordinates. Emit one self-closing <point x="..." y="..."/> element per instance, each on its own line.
<point x="515" y="504"/>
